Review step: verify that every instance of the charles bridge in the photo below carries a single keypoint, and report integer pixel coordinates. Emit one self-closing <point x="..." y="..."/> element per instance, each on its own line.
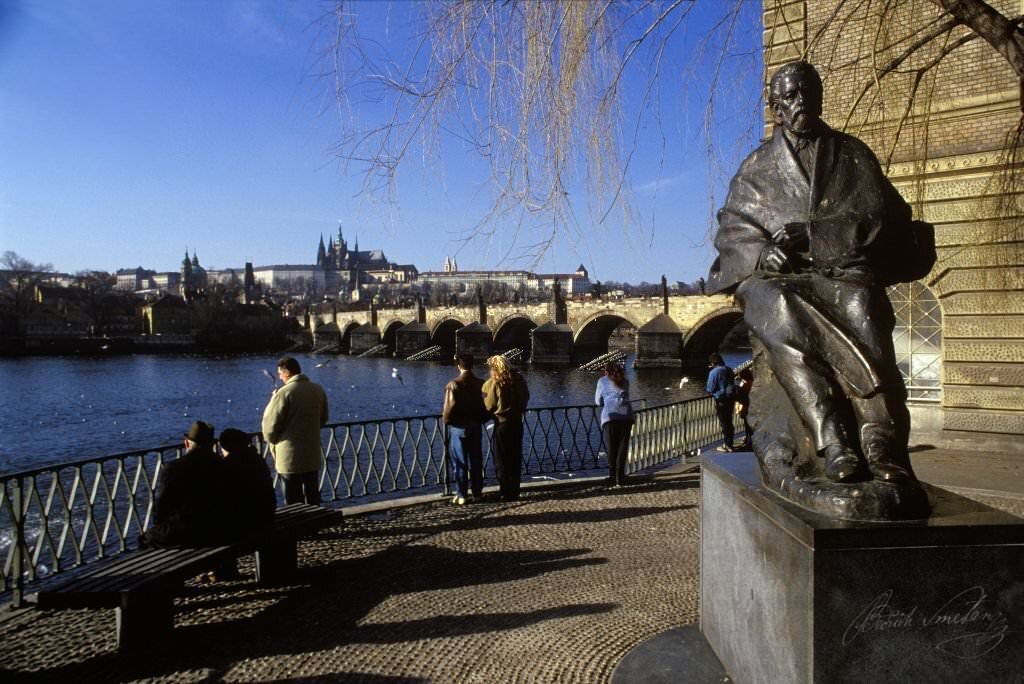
<point x="671" y="331"/>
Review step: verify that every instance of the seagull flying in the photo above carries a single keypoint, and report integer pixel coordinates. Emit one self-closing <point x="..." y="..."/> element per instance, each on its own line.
<point x="397" y="376"/>
<point x="322" y="364"/>
<point x="682" y="381"/>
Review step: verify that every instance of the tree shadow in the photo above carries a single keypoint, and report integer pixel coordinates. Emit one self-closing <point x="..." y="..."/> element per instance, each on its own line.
<point x="488" y="521"/>
<point x="493" y="514"/>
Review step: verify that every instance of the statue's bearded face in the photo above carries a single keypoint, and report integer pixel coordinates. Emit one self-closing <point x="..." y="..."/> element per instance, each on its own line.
<point x="796" y="101"/>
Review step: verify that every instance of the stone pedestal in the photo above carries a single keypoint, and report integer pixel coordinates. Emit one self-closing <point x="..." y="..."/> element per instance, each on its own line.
<point x="791" y="596"/>
<point x="476" y="339"/>
<point x="411" y="338"/>
<point x="327" y="335"/>
<point x="364" y="338"/>
<point x="551" y="345"/>
<point x="658" y="344"/>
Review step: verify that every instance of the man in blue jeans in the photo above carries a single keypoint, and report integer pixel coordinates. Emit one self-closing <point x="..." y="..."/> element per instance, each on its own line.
<point x="721" y="386"/>
<point x="464" y="414"/>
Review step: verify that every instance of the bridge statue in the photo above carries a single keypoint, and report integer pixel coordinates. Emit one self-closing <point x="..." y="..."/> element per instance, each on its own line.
<point x="811" y="234"/>
<point x="561" y="313"/>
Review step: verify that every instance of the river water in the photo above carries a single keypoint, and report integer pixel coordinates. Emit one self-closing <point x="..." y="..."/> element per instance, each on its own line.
<point x="59" y="409"/>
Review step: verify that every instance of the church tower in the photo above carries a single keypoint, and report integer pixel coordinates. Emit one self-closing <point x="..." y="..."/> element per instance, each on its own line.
<point x="321" y="253"/>
<point x="185" y="286"/>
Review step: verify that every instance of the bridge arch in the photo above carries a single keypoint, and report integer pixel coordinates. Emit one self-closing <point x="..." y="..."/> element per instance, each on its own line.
<point x="705" y="336"/>
<point x="389" y="335"/>
<point x="591" y="338"/>
<point x="346" y="336"/>
<point x="442" y="334"/>
<point x="513" y="332"/>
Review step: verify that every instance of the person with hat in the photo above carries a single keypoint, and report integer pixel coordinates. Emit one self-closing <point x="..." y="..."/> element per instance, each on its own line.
<point x="249" y="487"/>
<point x="248" y="498"/>
<point x="188" y="505"/>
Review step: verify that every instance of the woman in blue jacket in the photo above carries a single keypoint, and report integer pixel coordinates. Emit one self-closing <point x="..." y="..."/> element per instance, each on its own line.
<point x="612" y="396"/>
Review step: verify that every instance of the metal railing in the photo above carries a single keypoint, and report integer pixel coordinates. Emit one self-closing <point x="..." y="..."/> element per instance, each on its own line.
<point x="60" y="517"/>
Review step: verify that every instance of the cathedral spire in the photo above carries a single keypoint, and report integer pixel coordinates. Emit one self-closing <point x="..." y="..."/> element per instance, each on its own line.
<point x="321" y="253"/>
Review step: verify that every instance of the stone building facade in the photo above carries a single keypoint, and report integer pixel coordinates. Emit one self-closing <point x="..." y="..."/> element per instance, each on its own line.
<point x="946" y="153"/>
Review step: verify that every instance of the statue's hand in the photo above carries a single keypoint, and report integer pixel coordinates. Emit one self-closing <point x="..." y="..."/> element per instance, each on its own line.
<point x="792" y="237"/>
<point x="774" y="259"/>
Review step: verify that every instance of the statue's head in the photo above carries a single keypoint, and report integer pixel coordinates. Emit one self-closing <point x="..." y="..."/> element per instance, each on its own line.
<point x="795" y="97"/>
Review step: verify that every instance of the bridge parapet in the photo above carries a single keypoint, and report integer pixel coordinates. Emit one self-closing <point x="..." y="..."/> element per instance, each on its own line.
<point x="591" y="322"/>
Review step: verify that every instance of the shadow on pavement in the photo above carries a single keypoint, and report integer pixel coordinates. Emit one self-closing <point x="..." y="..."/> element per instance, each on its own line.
<point x="325" y="610"/>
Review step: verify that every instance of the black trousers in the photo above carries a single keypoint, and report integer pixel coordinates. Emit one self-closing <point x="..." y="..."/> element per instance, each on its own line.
<point x="724" y="411"/>
<point x="616" y="441"/>
<point x="508" y="457"/>
<point x="301" y="488"/>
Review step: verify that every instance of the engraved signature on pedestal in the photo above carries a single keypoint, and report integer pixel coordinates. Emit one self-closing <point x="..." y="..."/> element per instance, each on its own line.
<point x="964" y="626"/>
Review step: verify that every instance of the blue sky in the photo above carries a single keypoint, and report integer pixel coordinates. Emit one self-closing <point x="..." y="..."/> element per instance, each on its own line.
<point x="130" y="130"/>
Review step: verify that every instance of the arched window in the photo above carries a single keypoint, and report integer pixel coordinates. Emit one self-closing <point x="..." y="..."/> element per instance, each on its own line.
<point x="918" y="340"/>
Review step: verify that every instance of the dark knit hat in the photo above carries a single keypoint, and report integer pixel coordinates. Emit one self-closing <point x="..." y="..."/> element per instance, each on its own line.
<point x="232" y="440"/>
<point x="200" y="433"/>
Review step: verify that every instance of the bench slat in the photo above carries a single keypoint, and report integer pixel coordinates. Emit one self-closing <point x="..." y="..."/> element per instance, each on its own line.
<point x="103" y="587"/>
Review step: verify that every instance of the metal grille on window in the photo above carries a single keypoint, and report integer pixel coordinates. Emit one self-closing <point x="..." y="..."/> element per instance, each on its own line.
<point x="918" y="340"/>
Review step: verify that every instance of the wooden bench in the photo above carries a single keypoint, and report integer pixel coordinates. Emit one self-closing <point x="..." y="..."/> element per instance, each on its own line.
<point x="141" y="585"/>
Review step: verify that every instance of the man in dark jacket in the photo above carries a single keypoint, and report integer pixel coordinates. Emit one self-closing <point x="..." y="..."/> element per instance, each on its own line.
<point x="189" y="504"/>
<point x="810" y="235"/>
<point x="249" y="487"/>
<point x="464" y="414"/>
<point x="721" y="386"/>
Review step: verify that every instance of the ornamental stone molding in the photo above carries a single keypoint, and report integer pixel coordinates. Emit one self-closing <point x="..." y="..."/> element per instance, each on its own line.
<point x="992" y="351"/>
<point x="980" y="326"/>
<point x="984" y="374"/>
<point x="981" y="303"/>
<point x="1004" y="422"/>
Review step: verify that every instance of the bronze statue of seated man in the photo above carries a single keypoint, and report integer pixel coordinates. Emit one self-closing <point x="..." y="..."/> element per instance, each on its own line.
<point x="810" y="235"/>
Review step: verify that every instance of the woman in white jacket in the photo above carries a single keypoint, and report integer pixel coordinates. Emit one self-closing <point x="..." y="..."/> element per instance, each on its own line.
<point x="612" y="396"/>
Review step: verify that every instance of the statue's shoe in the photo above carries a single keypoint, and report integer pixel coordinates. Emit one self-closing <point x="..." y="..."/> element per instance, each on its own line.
<point x="889" y="472"/>
<point x="878" y="452"/>
<point x="842" y="464"/>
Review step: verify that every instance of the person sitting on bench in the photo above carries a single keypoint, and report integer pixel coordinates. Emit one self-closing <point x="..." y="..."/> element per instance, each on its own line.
<point x="248" y="498"/>
<point x="249" y="487"/>
<point x="190" y="501"/>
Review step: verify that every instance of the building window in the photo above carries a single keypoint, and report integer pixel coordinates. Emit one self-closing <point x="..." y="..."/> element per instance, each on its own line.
<point x="918" y="340"/>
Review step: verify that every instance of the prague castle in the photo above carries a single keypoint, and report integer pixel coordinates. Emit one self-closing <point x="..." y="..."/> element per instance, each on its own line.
<point x="338" y="270"/>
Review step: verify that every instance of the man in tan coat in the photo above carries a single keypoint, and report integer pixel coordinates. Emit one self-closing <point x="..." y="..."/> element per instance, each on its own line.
<point x="291" y="425"/>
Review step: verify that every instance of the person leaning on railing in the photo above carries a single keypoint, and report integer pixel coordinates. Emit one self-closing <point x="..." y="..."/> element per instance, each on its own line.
<point x="505" y="397"/>
<point x="612" y="395"/>
<point x="463" y="413"/>
<point x="722" y="388"/>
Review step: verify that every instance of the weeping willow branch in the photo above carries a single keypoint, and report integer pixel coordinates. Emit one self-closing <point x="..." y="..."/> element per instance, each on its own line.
<point x="533" y="88"/>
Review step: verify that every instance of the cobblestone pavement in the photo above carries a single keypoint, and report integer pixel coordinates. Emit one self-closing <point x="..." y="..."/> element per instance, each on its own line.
<point x="554" y="588"/>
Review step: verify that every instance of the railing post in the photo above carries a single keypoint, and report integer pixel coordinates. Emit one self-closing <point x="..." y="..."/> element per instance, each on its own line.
<point x="445" y="479"/>
<point x="19" y="544"/>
